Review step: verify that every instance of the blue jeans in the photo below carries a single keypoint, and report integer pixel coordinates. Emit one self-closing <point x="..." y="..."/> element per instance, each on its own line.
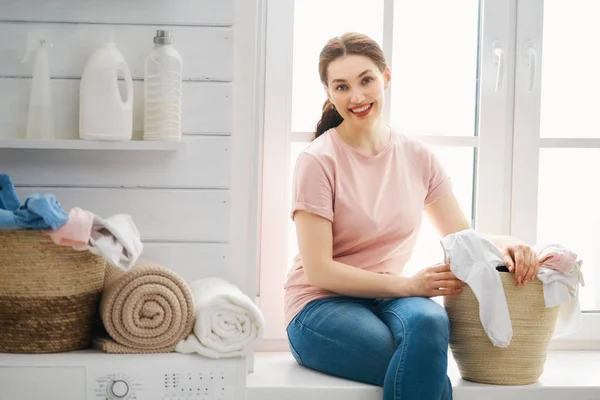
<point x="400" y="344"/>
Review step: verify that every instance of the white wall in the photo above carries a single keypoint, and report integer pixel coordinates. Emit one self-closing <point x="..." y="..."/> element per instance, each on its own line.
<point x="181" y="201"/>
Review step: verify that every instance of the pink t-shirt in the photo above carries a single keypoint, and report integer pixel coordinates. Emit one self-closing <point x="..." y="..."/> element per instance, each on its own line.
<point x="375" y="204"/>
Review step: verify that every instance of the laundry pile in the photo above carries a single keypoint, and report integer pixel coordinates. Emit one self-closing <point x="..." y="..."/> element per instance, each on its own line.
<point x="475" y="260"/>
<point x="144" y="307"/>
<point x="116" y="238"/>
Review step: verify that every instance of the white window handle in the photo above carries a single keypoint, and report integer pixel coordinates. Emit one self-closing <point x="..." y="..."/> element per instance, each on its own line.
<point x="498" y="58"/>
<point x="531" y="61"/>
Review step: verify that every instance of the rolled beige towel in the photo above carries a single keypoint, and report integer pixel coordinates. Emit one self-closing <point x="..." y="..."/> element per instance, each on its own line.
<point x="148" y="309"/>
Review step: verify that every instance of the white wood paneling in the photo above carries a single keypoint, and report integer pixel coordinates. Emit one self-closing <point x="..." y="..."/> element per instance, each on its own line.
<point x="206" y="107"/>
<point x="160" y="215"/>
<point x="68" y="144"/>
<point x="207" y="52"/>
<point x="205" y="162"/>
<point x="180" y="200"/>
<point x="190" y="260"/>
<point x="178" y="12"/>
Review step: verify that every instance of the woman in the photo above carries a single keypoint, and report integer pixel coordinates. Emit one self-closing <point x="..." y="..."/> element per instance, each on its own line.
<point x="358" y="195"/>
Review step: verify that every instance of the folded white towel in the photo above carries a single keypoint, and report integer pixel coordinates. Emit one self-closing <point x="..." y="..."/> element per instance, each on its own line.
<point x="228" y="323"/>
<point x="117" y="239"/>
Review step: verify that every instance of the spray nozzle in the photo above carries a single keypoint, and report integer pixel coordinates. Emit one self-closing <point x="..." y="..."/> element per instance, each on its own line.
<point x="33" y="46"/>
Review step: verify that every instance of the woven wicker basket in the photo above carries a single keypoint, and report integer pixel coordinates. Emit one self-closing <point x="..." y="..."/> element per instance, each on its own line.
<point x="522" y="362"/>
<point x="48" y="294"/>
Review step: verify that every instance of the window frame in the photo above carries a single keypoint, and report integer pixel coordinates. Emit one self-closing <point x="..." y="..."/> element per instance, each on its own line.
<point x="504" y="139"/>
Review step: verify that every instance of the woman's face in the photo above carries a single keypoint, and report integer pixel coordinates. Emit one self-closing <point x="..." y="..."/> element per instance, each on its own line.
<point x="356" y="88"/>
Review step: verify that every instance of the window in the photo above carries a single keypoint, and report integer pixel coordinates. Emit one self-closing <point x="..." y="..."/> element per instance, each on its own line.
<point x="557" y="136"/>
<point x="472" y="86"/>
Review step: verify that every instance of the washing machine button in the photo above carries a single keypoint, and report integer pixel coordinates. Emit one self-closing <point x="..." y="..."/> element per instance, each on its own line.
<point x="119" y="389"/>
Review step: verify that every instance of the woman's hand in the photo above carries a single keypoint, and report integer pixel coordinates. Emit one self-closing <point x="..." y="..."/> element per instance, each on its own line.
<point x="437" y="280"/>
<point x="523" y="261"/>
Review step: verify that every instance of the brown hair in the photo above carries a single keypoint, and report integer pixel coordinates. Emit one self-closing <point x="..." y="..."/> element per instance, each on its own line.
<point x="346" y="44"/>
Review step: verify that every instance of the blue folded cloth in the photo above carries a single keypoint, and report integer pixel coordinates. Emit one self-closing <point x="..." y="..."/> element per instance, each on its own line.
<point x="40" y="211"/>
<point x="8" y="197"/>
<point x="7" y="220"/>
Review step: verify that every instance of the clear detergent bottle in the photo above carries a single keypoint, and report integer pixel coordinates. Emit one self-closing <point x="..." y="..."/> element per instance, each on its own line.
<point x="40" y="119"/>
<point x="162" y="90"/>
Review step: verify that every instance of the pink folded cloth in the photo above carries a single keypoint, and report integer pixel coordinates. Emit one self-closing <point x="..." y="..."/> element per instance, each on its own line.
<point x="557" y="257"/>
<point x="76" y="232"/>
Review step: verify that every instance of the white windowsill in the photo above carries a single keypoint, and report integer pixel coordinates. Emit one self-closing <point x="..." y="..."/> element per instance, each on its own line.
<point x="568" y="374"/>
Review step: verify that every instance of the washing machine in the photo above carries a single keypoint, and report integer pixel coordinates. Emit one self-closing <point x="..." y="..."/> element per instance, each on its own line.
<point x="93" y="375"/>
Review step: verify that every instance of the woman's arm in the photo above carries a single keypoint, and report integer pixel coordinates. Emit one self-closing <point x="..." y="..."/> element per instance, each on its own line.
<point x="315" y="242"/>
<point x="448" y="218"/>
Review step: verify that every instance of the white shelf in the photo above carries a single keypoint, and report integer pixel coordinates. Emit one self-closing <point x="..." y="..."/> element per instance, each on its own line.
<point x="76" y="144"/>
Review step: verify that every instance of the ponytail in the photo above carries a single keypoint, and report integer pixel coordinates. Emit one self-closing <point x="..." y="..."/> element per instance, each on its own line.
<point x="330" y="119"/>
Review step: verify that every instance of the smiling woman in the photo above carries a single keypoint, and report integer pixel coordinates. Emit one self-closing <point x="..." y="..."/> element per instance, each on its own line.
<point x="359" y="190"/>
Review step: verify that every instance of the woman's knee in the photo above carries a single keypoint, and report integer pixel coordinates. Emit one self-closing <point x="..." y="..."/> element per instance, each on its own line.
<point x="430" y="324"/>
<point x="351" y="343"/>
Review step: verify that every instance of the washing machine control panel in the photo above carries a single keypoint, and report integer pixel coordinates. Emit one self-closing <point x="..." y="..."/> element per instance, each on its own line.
<point x="117" y="387"/>
<point x="217" y="381"/>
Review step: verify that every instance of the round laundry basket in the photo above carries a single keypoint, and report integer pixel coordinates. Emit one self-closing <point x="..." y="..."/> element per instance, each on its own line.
<point x="48" y="294"/>
<point x="522" y="362"/>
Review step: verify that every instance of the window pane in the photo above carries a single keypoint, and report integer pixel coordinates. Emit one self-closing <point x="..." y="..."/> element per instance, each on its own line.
<point x="458" y="162"/>
<point x="570" y="79"/>
<point x="568" y="211"/>
<point x="315" y="22"/>
<point x="434" y="69"/>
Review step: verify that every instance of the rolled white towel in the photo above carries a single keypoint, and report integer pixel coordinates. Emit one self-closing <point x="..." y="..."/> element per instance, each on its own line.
<point x="228" y="323"/>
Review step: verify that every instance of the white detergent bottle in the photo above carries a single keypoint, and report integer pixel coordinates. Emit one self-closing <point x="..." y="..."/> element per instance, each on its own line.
<point x="162" y="90"/>
<point x="103" y="113"/>
<point x="40" y="119"/>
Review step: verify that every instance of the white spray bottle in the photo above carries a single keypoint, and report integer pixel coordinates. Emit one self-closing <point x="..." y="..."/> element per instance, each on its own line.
<point x="40" y="120"/>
